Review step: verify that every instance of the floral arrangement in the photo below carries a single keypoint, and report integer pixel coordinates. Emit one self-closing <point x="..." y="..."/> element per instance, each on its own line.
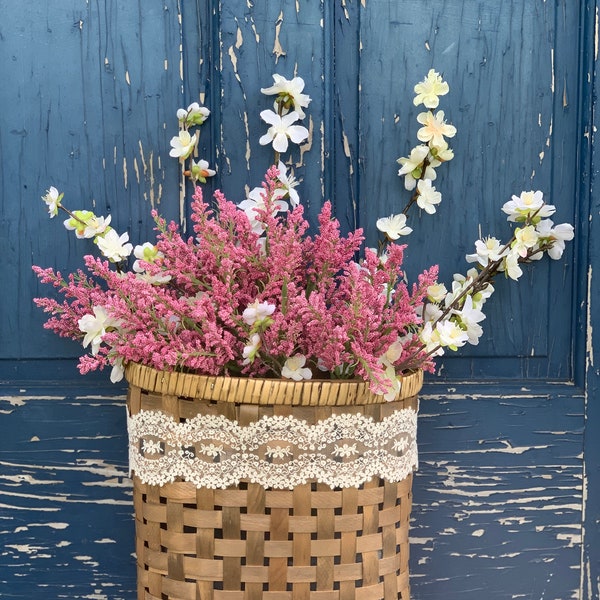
<point x="254" y="293"/>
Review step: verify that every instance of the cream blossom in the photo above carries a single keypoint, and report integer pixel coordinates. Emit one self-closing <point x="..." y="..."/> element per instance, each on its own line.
<point x="520" y="208"/>
<point x="442" y="155"/>
<point x="78" y="223"/>
<point x="432" y="312"/>
<point x="428" y="91"/>
<point x="470" y="317"/>
<point x="282" y="128"/>
<point x="434" y="129"/>
<point x="451" y="335"/>
<point x="193" y="115"/>
<point x="148" y="253"/>
<point x="525" y="239"/>
<point x="114" y="246"/>
<point x="428" y="196"/>
<point x="392" y="383"/>
<point x="462" y="281"/>
<point x="257" y="311"/>
<point x="487" y="250"/>
<point x="256" y="203"/>
<point x="458" y="287"/>
<point x="294" y="368"/>
<point x="96" y="226"/>
<point x="393" y="226"/>
<point x="288" y="183"/>
<point x="510" y="265"/>
<point x="412" y="167"/>
<point x="557" y="235"/>
<point x="430" y="337"/>
<point x="200" y="171"/>
<point x="183" y="145"/>
<point x="289" y="94"/>
<point x="436" y="292"/>
<point x="94" y="326"/>
<point x="118" y="371"/>
<point x="251" y="350"/>
<point x="393" y="353"/>
<point x="52" y="198"/>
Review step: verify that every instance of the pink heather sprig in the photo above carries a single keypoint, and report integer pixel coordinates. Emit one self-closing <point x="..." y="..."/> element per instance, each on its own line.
<point x="186" y="311"/>
<point x="329" y="253"/>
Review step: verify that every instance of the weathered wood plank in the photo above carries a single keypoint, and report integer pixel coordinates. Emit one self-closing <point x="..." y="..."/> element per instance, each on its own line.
<point x="498" y="492"/>
<point x="589" y="319"/>
<point x="284" y="37"/>
<point x="498" y="497"/>
<point x="66" y="525"/>
<point x="90" y="109"/>
<point x="511" y="70"/>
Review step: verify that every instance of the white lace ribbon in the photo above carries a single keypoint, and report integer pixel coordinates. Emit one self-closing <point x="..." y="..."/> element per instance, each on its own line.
<point x="344" y="450"/>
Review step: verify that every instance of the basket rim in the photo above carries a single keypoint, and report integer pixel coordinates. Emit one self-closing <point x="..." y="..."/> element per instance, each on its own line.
<point x="246" y="390"/>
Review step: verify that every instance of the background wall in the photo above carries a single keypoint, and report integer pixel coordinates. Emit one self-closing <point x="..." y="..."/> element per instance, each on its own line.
<point x="507" y="492"/>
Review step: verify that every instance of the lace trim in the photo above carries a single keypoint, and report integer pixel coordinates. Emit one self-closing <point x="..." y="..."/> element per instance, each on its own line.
<point x="344" y="450"/>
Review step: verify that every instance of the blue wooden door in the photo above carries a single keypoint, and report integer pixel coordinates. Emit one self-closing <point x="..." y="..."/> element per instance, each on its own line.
<point x="506" y="497"/>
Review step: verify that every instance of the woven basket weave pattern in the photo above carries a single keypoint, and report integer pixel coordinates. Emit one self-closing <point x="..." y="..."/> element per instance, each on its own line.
<point x="248" y="542"/>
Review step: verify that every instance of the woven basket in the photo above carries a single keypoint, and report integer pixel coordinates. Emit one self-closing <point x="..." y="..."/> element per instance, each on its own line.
<point x="249" y="541"/>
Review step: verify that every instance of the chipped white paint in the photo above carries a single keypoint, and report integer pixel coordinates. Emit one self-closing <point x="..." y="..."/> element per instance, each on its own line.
<point x="125" y="178"/>
<point x="248" y="145"/>
<point x="345" y="10"/>
<point x="552" y="74"/>
<point x="309" y="142"/>
<point x="596" y="38"/>
<point x="589" y="328"/>
<point x="278" y="50"/>
<point x="507" y="449"/>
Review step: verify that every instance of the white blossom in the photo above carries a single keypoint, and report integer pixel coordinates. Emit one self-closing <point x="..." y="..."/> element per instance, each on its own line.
<point x="487" y="250"/>
<point x="282" y="128"/>
<point x="257" y="311"/>
<point x="428" y="91"/>
<point x="183" y="145"/>
<point x="52" y="198"/>
<point x="393" y="226"/>
<point x="288" y="183"/>
<point x="451" y="335"/>
<point x="294" y="368"/>
<point x="519" y="208"/>
<point x="289" y="92"/>
<point x="94" y="326"/>
<point x="428" y="196"/>
<point x="470" y="317"/>
<point x="193" y="115"/>
<point x="435" y="129"/>
<point x="114" y="246"/>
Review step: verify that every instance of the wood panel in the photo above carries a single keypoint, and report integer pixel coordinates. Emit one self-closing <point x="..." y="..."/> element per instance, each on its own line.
<point x="513" y="99"/>
<point x="66" y="523"/>
<point x="506" y="497"/>
<point x="90" y="109"/>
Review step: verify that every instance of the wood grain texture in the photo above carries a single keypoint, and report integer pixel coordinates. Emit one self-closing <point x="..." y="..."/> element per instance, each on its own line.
<point x="497" y="502"/>
<point x="92" y="88"/>
<point x="589" y="320"/>
<point x="498" y="497"/>
<point x="506" y="501"/>
<point x="512" y="83"/>
<point x="66" y="525"/>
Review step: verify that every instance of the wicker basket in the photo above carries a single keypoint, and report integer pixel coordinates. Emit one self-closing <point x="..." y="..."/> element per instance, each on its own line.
<point x="249" y="541"/>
